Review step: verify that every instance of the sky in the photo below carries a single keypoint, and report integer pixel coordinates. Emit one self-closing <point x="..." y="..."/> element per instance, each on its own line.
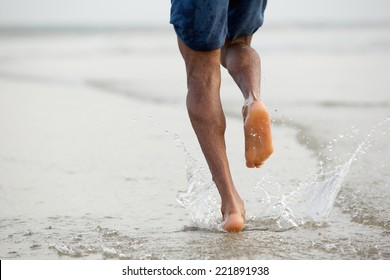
<point x="156" y="12"/>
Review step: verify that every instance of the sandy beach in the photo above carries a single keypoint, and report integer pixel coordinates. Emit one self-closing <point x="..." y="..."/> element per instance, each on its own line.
<point x="98" y="159"/>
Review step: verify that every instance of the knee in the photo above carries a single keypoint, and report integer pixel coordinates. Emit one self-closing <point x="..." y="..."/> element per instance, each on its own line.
<point x="205" y="111"/>
<point x="203" y="91"/>
<point x="198" y="102"/>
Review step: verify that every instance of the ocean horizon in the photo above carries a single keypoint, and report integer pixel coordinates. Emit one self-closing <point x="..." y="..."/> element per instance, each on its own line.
<point x="103" y="14"/>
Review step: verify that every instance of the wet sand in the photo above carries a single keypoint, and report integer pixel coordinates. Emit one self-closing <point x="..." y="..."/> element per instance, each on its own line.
<point x="96" y="146"/>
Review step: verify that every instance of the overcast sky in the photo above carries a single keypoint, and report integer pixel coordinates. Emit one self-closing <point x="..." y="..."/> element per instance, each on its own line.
<point x="152" y="12"/>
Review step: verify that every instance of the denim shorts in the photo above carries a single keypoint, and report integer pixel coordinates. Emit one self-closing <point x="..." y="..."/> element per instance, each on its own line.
<point x="204" y="25"/>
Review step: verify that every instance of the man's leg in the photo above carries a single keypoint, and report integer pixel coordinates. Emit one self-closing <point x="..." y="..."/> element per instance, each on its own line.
<point x="208" y="120"/>
<point x="243" y="64"/>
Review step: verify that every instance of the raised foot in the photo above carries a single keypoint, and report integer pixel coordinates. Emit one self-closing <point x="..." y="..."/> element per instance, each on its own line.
<point x="257" y="128"/>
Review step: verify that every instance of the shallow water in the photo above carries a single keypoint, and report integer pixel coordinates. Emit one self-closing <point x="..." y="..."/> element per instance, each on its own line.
<point x="285" y="221"/>
<point x="86" y="172"/>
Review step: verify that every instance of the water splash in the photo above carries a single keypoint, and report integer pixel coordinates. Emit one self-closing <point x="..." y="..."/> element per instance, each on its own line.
<point x="310" y="201"/>
<point x="201" y="199"/>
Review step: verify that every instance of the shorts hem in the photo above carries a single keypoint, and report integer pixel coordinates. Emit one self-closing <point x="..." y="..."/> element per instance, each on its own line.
<point x="193" y="45"/>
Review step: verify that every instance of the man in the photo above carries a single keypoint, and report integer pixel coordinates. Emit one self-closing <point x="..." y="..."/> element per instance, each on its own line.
<point x="211" y="33"/>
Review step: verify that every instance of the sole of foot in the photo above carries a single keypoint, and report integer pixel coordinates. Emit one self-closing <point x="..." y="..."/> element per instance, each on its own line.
<point x="257" y="129"/>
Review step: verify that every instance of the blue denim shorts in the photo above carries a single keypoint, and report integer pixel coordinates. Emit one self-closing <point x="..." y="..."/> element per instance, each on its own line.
<point x="204" y="25"/>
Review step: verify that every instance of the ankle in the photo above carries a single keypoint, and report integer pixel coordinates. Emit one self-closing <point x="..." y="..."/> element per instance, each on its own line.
<point x="233" y="205"/>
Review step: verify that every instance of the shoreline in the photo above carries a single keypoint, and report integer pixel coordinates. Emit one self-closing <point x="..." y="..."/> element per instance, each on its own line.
<point x="91" y="166"/>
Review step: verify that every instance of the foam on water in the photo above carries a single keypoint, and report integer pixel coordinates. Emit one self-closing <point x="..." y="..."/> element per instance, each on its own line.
<point x="309" y="203"/>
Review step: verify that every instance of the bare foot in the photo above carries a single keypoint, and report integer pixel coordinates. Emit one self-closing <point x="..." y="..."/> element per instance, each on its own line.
<point x="257" y="128"/>
<point x="234" y="219"/>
